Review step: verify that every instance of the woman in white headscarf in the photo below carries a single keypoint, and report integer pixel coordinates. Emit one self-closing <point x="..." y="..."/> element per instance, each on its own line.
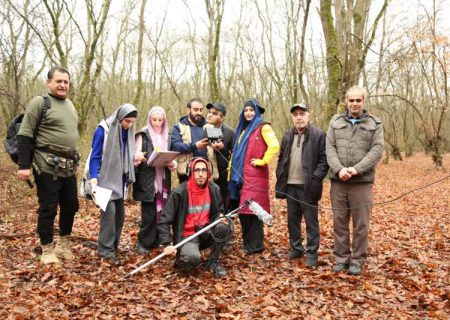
<point x="111" y="167"/>
<point x="152" y="183"/>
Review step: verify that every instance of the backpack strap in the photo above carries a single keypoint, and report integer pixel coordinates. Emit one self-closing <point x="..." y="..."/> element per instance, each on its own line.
<point x="47" y="105"/>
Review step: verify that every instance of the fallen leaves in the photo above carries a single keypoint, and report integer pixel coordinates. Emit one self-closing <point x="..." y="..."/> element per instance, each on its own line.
<point x="406" y="274"/>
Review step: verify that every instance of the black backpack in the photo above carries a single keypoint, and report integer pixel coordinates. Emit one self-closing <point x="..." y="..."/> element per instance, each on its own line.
<point x="10" y="142"/>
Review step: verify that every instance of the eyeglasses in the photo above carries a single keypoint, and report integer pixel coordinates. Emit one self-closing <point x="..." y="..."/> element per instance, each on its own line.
<point x="202" y="170"/>
<point x="354" y="100"/>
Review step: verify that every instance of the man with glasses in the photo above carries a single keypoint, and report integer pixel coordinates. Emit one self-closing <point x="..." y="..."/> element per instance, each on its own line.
<point x="219" y="152"/>
<point x="190" y="207"/>
<point x="302" y="166"/>
<point x="354" y="147"/>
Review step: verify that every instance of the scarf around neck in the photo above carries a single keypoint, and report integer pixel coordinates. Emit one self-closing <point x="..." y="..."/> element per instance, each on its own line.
<point x="160" y="140"/>
<point x="117" y="158"/>
<point x="199" y="201"/>
<point x="240" y="147"/>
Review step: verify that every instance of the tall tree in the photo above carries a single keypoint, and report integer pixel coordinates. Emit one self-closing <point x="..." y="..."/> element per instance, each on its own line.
<point x="84" y="100"/>
<point x="348" y="39"/>
<point x="214" y="9"/>
<point x="139" y="84"/>
<point x="15" y="43"/>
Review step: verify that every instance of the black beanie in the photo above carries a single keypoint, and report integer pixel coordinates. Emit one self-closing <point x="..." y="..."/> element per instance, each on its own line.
<point x="132" y="114"/>
<point x="250" y="103"/>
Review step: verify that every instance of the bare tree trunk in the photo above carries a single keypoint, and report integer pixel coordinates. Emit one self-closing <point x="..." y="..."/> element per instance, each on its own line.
<point x="84" y="99"/>
<point x="214" y="9"/>
<point x="139" y="84"/>
<point x="346" y="44"/>
<point x="302" y="54"/>
<point x="332" y="58"/>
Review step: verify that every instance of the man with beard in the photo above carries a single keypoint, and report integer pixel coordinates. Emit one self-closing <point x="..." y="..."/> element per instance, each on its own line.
<point x="190" y="207"/>
<point x="187" y="137"/>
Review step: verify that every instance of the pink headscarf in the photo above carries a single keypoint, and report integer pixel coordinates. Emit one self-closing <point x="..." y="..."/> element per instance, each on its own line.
<point x="159" y="136"/>
<point x="160" y="141"/>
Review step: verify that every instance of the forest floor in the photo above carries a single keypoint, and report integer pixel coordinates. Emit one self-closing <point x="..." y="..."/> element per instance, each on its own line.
<point x="406" y="275"/>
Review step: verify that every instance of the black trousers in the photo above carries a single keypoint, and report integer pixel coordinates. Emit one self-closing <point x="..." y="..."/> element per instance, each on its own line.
<point x="297" y="211"/>
<point x="51" y="193"/>
<point x="252" y="233"/>
<point x="252" y="230"/>
<point x="148" y="233"/>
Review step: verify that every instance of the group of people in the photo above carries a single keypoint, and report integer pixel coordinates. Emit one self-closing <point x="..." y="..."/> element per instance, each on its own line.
<point x="215" y="176"/>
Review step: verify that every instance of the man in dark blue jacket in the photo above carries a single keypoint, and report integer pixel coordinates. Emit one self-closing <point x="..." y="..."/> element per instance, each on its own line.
<point x="187" y="137"/>
<point x="302" y="166"/>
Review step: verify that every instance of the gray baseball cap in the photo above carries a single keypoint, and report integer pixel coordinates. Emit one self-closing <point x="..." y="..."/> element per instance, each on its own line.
<point x="301" y="106"/>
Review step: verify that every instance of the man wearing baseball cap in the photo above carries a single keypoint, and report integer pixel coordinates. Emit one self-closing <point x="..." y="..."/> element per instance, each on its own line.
<point x="220" y="150"/>
<point x="302" y="166"/>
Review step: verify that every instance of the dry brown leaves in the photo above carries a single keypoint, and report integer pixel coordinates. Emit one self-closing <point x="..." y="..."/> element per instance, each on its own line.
<point x="406" y="275"/>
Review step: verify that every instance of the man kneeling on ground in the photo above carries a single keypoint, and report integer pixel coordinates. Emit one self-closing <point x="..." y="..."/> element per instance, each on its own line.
<point x="190" y="207"/>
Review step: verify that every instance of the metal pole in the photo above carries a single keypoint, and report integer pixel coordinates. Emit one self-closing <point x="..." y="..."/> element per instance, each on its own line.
<point x="231" y="214"/>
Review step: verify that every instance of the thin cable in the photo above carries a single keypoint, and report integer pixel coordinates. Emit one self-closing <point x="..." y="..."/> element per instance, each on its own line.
<point x="333" y="208"/>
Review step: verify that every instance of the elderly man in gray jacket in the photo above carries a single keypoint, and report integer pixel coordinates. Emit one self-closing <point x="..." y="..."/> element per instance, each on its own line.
<point x="354" y="146"/>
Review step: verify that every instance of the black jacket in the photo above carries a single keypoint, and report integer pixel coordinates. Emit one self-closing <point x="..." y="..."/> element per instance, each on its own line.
<point x="144" y="187"/>
<point x="176" y="209"/>
<point x="225" y="154"/>
<point x="314" y="163"/>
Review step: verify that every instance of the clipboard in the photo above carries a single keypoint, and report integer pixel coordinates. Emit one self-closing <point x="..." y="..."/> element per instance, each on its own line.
<point x="161" y="158"/>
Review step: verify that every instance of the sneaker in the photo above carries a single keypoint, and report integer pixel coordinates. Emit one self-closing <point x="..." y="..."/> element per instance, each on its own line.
<point x="311" y="262"/>
<point x="141" y="249"/>
<point x="294" y="254"/>
<point x="340" y="267"/>
<point x="354" y="269"/>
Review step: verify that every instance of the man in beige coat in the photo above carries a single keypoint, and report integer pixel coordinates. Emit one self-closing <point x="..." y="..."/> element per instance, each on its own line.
<point x="354" y="147"/>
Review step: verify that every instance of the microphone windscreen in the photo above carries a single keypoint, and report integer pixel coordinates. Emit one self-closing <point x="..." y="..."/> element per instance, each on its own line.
<point x="262" y="214"/>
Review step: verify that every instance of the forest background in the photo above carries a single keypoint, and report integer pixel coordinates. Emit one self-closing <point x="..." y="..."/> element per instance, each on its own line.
<point x="281" y="52"/>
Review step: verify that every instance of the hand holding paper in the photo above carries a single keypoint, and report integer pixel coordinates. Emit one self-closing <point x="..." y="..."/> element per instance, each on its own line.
<point x="161" y="158"/>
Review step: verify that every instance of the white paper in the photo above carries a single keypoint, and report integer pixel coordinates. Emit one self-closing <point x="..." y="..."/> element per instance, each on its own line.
<point x="101" y="196"/>
<point x="161" y="158"/>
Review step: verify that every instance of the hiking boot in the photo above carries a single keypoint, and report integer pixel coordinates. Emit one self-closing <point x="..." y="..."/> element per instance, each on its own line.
<point x="311" y="262"/>
<point x="112" y="261"/>
<point x="141" y="249"/>
<point x="340" y="267"/>
<point x="216" y="266"/>
<point x="48" y="255"/>
<point x="354" y="269"/>
<point x="294" y="254"/>
<point x="62" y="248"/>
